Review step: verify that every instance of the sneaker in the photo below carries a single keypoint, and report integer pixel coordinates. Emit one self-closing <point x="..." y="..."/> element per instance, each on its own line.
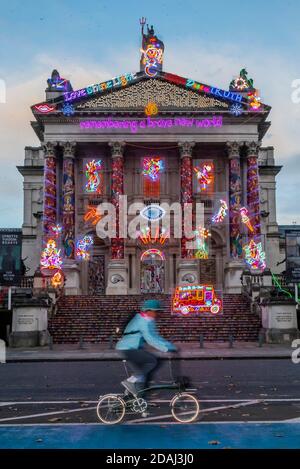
<point x="130" y="387"/>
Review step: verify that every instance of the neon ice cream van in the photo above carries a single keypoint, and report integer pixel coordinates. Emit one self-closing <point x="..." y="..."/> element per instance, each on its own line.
<point x="196" y="299"/>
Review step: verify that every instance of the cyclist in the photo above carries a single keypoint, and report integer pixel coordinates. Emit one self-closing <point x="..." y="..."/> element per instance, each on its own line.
<point x="141" y="329"/>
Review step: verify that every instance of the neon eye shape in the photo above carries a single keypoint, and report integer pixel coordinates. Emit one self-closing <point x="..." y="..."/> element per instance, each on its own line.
<point x="153" y="212"/>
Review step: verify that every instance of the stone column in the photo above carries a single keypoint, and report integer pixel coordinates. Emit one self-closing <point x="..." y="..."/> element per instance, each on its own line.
<point x="117" y="272"/>
<point x="235" y="199"/>
<point x="187" y="267"/>
<point x="68" y="200"/>
<point x="50" y="190"/>
<point x="235" y="265"/>
<point x="253" y="188"/>
<point x="70" y="267"/>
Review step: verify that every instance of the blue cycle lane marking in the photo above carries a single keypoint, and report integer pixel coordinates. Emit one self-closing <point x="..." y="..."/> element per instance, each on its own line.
<point x="179" y="436"/>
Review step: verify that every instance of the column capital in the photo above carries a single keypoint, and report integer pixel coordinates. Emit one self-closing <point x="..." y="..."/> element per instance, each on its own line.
<point x="233" y="149"/>
<point x="186" y="149"/>
<point x="252" y="148"/>
<point x="68" y="149"/>
<point x="49" y="149"/>
<point x="117" y="149"/>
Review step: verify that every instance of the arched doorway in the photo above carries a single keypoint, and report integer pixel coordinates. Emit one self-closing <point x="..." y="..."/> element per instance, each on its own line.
<point x="152" y="271"/>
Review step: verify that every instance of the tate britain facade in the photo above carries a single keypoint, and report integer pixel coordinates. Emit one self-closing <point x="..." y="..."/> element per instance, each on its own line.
<point x="158" y="139"/>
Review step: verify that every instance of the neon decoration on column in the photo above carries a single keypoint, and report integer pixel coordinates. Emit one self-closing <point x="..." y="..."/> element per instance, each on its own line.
<point x="219" y="217"/>
<point x="94" y="177"/>
<point x="49" y="209"/>
<point x="235" y="193"/>
<point x="51" y="260"/>
<point x="152" y="169"/>
<point x="82" y="247"/>
<point x="152" y="253"/>
<point x="245" y="219"/>
<point x="253" y="189"/>
<point x="69" y="201"/>
<point x="186" y="181"/>
<point x="204" y="175"/>
<point x="255" y="256"/>
<point x="117" y="189"/>
<point x="196" y="299"/>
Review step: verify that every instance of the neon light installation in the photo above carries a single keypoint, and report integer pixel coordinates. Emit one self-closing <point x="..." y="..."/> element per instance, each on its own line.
<point x="152" y="169"/>
<point x="151" y="109"/>
<point x="152" y="59"/>
<point x="50" y="257"/>
<point x="236" y="109"/>
<point x="44" y="108"/>
<point x="204" y="175"/>
<point x="152" y="253"/>
<point x="254" y="100"/>
<point x="57" y="280"/>
<point x="160" y="237"/>
<point x="94" y="176"/>
<point x="254" y="255"/>
<point x="245" y="219"/>
<point x="82" y="247"/>
<point x="228" y="95"/>
<point x="56" y="230"/>
<point x="68" y="109"/>
<point x="92" y="215"/>
<point x="221" y="213"/>
<point x="153" y="212"/>
<point x="202" y="234"/>
<point x="196" y="299"/>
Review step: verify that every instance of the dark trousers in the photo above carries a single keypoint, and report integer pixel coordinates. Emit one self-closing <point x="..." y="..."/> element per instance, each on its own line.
<point x="141" y="362"/>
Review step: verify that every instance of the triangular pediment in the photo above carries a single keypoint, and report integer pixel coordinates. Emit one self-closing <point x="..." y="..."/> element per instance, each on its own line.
<point x="167" y="97"/>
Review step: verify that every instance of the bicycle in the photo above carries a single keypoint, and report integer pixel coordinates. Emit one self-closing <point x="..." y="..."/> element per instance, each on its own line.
<point x="112" y="408"/>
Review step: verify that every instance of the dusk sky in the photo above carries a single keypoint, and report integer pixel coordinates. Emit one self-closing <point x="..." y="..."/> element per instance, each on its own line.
<point x="90" y="41"/>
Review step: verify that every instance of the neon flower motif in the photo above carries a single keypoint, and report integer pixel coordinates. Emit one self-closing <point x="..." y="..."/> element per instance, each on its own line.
<point x="204" y="176"/>
<point x="44" y="108"/>
<point x="152" y="167"/>
<point x="68" y="109"/>
<point x="57" y="280"/>
<point x="254" y="255"/>
<point x="245" y="218"/>
<point x="82" y="247"/>
<point x="50" y="257"/>
<point x="236" y="109"/>
<point x="221" y="213"/>
<point x="94" y="177"/>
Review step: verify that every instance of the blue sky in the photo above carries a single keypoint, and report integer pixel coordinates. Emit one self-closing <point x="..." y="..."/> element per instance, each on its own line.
<point x="92" y="40"/>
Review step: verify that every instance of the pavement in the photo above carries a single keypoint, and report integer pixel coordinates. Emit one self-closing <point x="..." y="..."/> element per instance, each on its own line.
<point x="191" y="350"/>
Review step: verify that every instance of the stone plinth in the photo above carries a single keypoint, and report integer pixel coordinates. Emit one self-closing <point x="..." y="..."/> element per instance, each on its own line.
<point x="279" y="319"/>
<point x="117" y="277"/>
<point x="29" y="325"/>
<point x="187" y="272"/>
<point x="72" y="278"/>
<point x="233" y="272"/>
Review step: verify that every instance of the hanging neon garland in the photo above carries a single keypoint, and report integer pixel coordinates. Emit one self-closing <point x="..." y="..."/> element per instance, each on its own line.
<point x="94" y="177"/>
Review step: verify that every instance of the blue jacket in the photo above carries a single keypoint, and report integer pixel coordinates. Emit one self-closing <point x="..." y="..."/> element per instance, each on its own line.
<point x="146" y="331"/>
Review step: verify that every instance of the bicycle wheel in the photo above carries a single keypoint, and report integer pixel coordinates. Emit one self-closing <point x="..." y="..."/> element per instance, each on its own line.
<point x="111" y="409"/>
<point x="185" y="408"/>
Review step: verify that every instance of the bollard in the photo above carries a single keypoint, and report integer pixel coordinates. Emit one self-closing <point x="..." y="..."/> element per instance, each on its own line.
<point x="231" y="341"/>
<point x="260" y="339"/>
<point x="201" y="340"/>
<point x="50" y="342"/>
<point x="80" y="342"/>
<point x="7" y="333"/>
<point x="111" y="342"/>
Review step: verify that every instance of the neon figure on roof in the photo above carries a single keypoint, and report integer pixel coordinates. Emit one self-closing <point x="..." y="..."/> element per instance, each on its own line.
<point x="152" y="51"/>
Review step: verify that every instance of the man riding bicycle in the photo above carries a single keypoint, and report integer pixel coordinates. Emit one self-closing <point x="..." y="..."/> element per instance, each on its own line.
<point x="140" y="330"/>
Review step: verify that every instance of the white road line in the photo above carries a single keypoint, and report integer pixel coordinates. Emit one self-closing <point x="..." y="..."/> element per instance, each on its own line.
<point x="46" y="414"/>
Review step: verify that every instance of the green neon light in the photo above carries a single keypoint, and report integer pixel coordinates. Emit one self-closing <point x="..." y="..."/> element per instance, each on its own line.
<point x="277" y="284"/>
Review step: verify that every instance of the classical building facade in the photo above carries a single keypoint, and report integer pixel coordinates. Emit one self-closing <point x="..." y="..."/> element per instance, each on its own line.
<point x="157" y="138"/>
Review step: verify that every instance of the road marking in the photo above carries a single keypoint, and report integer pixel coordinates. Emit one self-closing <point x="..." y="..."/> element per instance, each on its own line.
<point x="46" y="414"/>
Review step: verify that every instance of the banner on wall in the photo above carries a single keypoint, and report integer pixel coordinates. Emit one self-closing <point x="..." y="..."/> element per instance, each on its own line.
<point x="10" y="257"/>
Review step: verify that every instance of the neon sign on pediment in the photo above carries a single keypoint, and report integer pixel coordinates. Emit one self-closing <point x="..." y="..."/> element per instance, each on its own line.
<point x="139" y="125"/>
